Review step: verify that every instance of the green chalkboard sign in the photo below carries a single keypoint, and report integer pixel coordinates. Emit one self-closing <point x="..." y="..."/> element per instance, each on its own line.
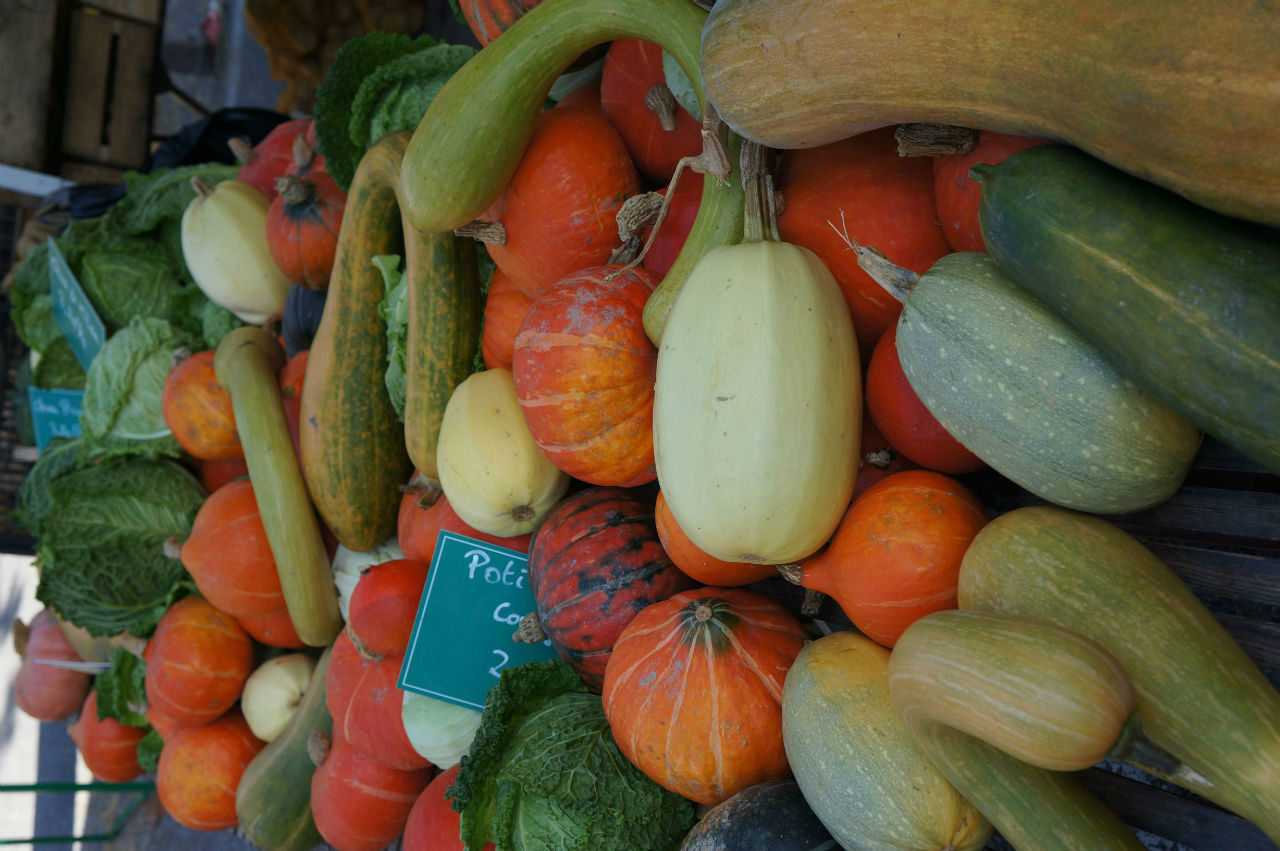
<point x="476" y="595"/>
<point x="54" y="413"/>
<point x="73" y="311"/>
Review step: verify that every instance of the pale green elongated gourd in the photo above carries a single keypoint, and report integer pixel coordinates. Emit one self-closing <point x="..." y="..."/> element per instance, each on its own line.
<point x="1027" y="393"/>
<point x="757" y="402"/>
<point x="860" y="770"/>
<point x="1200" y="697"/>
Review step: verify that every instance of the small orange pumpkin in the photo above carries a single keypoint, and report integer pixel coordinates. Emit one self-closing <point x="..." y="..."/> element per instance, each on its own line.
<point x="425" y="512"/>
<point x="109" y="748"/>
<point x="229" y="557"/>
<point x="634" y="96"/>
<point x="505" y="308"/>
<point x="697" y="564"/>
<point x="895" y="556"/>
<point x="358" y="803"/>
<point x="273" y="630"/>
<point x="200" y="768"/>
<point x="584" y="371"/>
<point x="198" y="410"/>
<point x="304" y="219"/>
<point x="46" y="692"/>
<point x="197" y="662"/>
<point x="693" y="691"/>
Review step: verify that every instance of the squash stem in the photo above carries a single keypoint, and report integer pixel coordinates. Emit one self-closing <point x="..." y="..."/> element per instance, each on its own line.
<point x="897" y="280"/>
<point x="933" y="140"/>
<point x="760" y="213"/>
<point x="1134" y="748"/>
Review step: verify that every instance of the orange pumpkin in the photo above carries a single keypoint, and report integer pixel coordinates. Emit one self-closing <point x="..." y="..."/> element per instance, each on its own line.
<point x="697" y="564"/>
<point x="656" y="129"/>
<point x="215" y="474"/>
<point x="262" y="163"/>
<point x="896" y="555"/>
<point x="489" y="19"/>
<point x="198" y="410"/>
<point x="904" y="420"/>
<point x="957" y="194"/>
<point x="693" y="691"/>
<point x="433" y="824"/>
<point x="860" y="188"/>
<point x="229" y="557"/>
<point x="274" y="630"/>
<point x="109" y="748"/>
<point x="200" y="768"/>
<point x="877" y="458"/>
<point x="360" y="804"/>
<point x="425" y="513"/>
<point x="304" y="219"/>
<point x="584" y="372"/>
<point x="505" y="307"/>
<point x="366" y="705"/>
<point x="197" y="662"/>
<point x="385" y="604"/>
<point x="559" y="210"/>
<point x="46" y="692"/>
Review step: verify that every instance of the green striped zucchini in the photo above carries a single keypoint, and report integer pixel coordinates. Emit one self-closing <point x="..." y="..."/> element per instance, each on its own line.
<point x="1199" y="696"/>
<point x="1025" y="392"/>
<point x="1184" y="301"/>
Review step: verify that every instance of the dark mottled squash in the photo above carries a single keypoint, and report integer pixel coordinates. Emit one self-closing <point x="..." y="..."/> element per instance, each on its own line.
<point x="595" y="562"/>
<point x="771" y="815"/>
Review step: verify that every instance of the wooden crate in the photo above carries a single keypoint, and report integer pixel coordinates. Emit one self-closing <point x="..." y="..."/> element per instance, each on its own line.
<point x="1221" y="534"/>
<point x="28" y="43"/>
<point x="106" y="120"/>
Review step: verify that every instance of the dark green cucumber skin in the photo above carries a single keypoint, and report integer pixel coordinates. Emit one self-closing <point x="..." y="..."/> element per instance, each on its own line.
<point x="1184" y="300"/>
<point x="1026" y="393"/>
<point x="273" y="799"/>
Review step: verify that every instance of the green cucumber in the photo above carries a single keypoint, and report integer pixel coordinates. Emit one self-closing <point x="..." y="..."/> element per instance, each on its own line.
<point x="1183" y="300"/>
<point x="1029" y="395"/>
<point x="1199" y="696"/>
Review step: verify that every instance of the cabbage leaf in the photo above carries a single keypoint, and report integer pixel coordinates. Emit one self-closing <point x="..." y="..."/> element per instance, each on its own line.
<point x="545" y="772"/>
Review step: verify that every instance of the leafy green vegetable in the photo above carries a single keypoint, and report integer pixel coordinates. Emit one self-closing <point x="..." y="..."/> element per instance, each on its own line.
<point x="122" y="689"/>
<point x="545" y="772"/>
<point x="396" y="95"/>
<point x="100" y="528"/>
<point x="135" y="276"/>
<point x="151" y="199"/>
<point x="122" y="410"/>
<point x="395" y="312"/>
<point x="58" y="367"/>
<point x="31" y="306"/>
<point x="216" y="322"/>
<point x="149" y="751"/>
<point x="369" y="92"/>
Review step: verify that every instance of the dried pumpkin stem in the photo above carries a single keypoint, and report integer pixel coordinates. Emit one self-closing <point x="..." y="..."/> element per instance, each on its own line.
<point x="662" y="103"/>
<point x="318" y="745"/>
<point x="791" y="572"/>
<point x="294" y="190"/>
<point x="934" y="140"/>
<point x="365" y="653"/>
<point x="897" y="280"/>
<point x="760" y="212"/>
<point x="202" y="189"/>
<point x="241" y="149"/>
<point x="812" y="603"/>
<point x="530" y="630"/>
<point x="426" y="489"/>
<point x="490" y="233"/>
<point x="172" y="549"/>
<point x="703" y="613"/>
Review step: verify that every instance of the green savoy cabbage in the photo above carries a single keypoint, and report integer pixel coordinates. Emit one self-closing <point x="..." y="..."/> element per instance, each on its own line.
<point x="395" y="313"/>
<point x="545" y="772"/>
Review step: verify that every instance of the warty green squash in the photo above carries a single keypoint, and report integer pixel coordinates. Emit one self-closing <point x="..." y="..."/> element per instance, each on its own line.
<point x="1199" y="696"/>
<point x="1186" y="100"/>
<point x="758" y="397"/>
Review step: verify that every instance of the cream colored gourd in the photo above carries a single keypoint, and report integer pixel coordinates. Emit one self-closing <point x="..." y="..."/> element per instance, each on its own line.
<point x="860" y="769"/>
<point x="757" y="404"/>
<point x="224" y="243"/>
<point x="492" y="471"/>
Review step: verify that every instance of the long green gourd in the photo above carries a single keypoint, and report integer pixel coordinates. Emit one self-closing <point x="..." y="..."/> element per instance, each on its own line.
<point x="473" y="135"/>
<point x="1199" y="696"/>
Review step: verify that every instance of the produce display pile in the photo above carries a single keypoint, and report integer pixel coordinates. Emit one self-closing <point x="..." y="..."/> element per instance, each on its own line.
<point x="749" y="297"/>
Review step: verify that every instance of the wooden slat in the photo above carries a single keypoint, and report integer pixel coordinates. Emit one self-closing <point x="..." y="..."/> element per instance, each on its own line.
<point x="146" y="11"/>
<point x="1243" y="576"/>
<point x="89" y="52"/>
<point x="129" y="130"/>
<point x="27" y="43"/>
<point x="1259" y="638"/>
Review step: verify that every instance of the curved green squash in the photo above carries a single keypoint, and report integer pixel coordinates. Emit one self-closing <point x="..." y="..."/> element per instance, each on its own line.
<point x="1187" y="100"/>
<point x="858" y="767"/>
<point x="273" y="800"/>
<point x="445" y="307"/>
<point x="473" y="135"/>
<point x="1026" y="393"/>
<point x="772" y="815"/>
<point x="1049" y="696"/>
<point x="1199" y="696"/>
<point x="1184" y="301"/>
<point x="352" y="443"/>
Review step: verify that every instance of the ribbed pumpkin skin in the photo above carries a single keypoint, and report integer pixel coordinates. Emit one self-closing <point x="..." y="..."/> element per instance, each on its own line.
<point x="1199" y="695"/>
<point x="595" y="563"/>
<point x="584" y="373"/>
<point x="1025" y="392"/>
<point x="505" y="308"/>
<point x="109" y="749"/>
<point x="958" y="195"/>
<point x="860" y="188"/>
<point x="631" y="68"/>
<point x="1181" y="300"/>
<point x="302" y="229"/>
<point x="200" y="768"/>
<point x="197" y="662"/>
<point x="696" y="704"/>
<point x="229" y="557"/>
<point x="560" y="207"/>
<point x="1049" y="696"/>
<point x="197" y="409"/>
<point x="419" y="526"/>
<point x="359" y="804"/>
<point x="365" y="704"/>
<point x="1099" y="76"/>
<point x="860" y="769"/>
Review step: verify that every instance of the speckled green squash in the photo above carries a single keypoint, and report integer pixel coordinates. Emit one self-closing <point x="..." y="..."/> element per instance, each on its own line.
<point x="1025" y="392"/>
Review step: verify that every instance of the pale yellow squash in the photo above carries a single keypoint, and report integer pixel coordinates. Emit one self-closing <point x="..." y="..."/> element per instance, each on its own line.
<point x="495" y="476"/>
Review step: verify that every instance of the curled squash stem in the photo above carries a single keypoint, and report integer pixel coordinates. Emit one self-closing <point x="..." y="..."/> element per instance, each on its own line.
<point x="530" y="630"/>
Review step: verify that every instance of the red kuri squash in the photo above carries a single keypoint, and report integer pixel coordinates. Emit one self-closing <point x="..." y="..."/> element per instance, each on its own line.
<point x="584" y="372"/>
<point x="200" y="768"/>
<point x="228" y="555"/>
<point x="559" y="209"/>
<point x="693" y="691"/>
<point x="425" y="512"/>
<point x="595" y="563"/>
<point x="304" y="219"/>
<point x="636" y="101"/>
<point x="262" y="163"/>
<point x="860" y="189"/>
<point x="197" y="662"/>
<point x="505" y="307"/>
<point x="878" y="459"/>
<point x="957" y="194"/>
<point x="274" y="630"/>
<point x="385" y="603"/>
<point x="896" y="555"/>
<point x="433" y="823"/>
<point x="109" y="748"/>
<point x="695" y="563"/>
<point x="358" y="803"/>
<point x="197" y="409"/>
<point x="366" y="705"/>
